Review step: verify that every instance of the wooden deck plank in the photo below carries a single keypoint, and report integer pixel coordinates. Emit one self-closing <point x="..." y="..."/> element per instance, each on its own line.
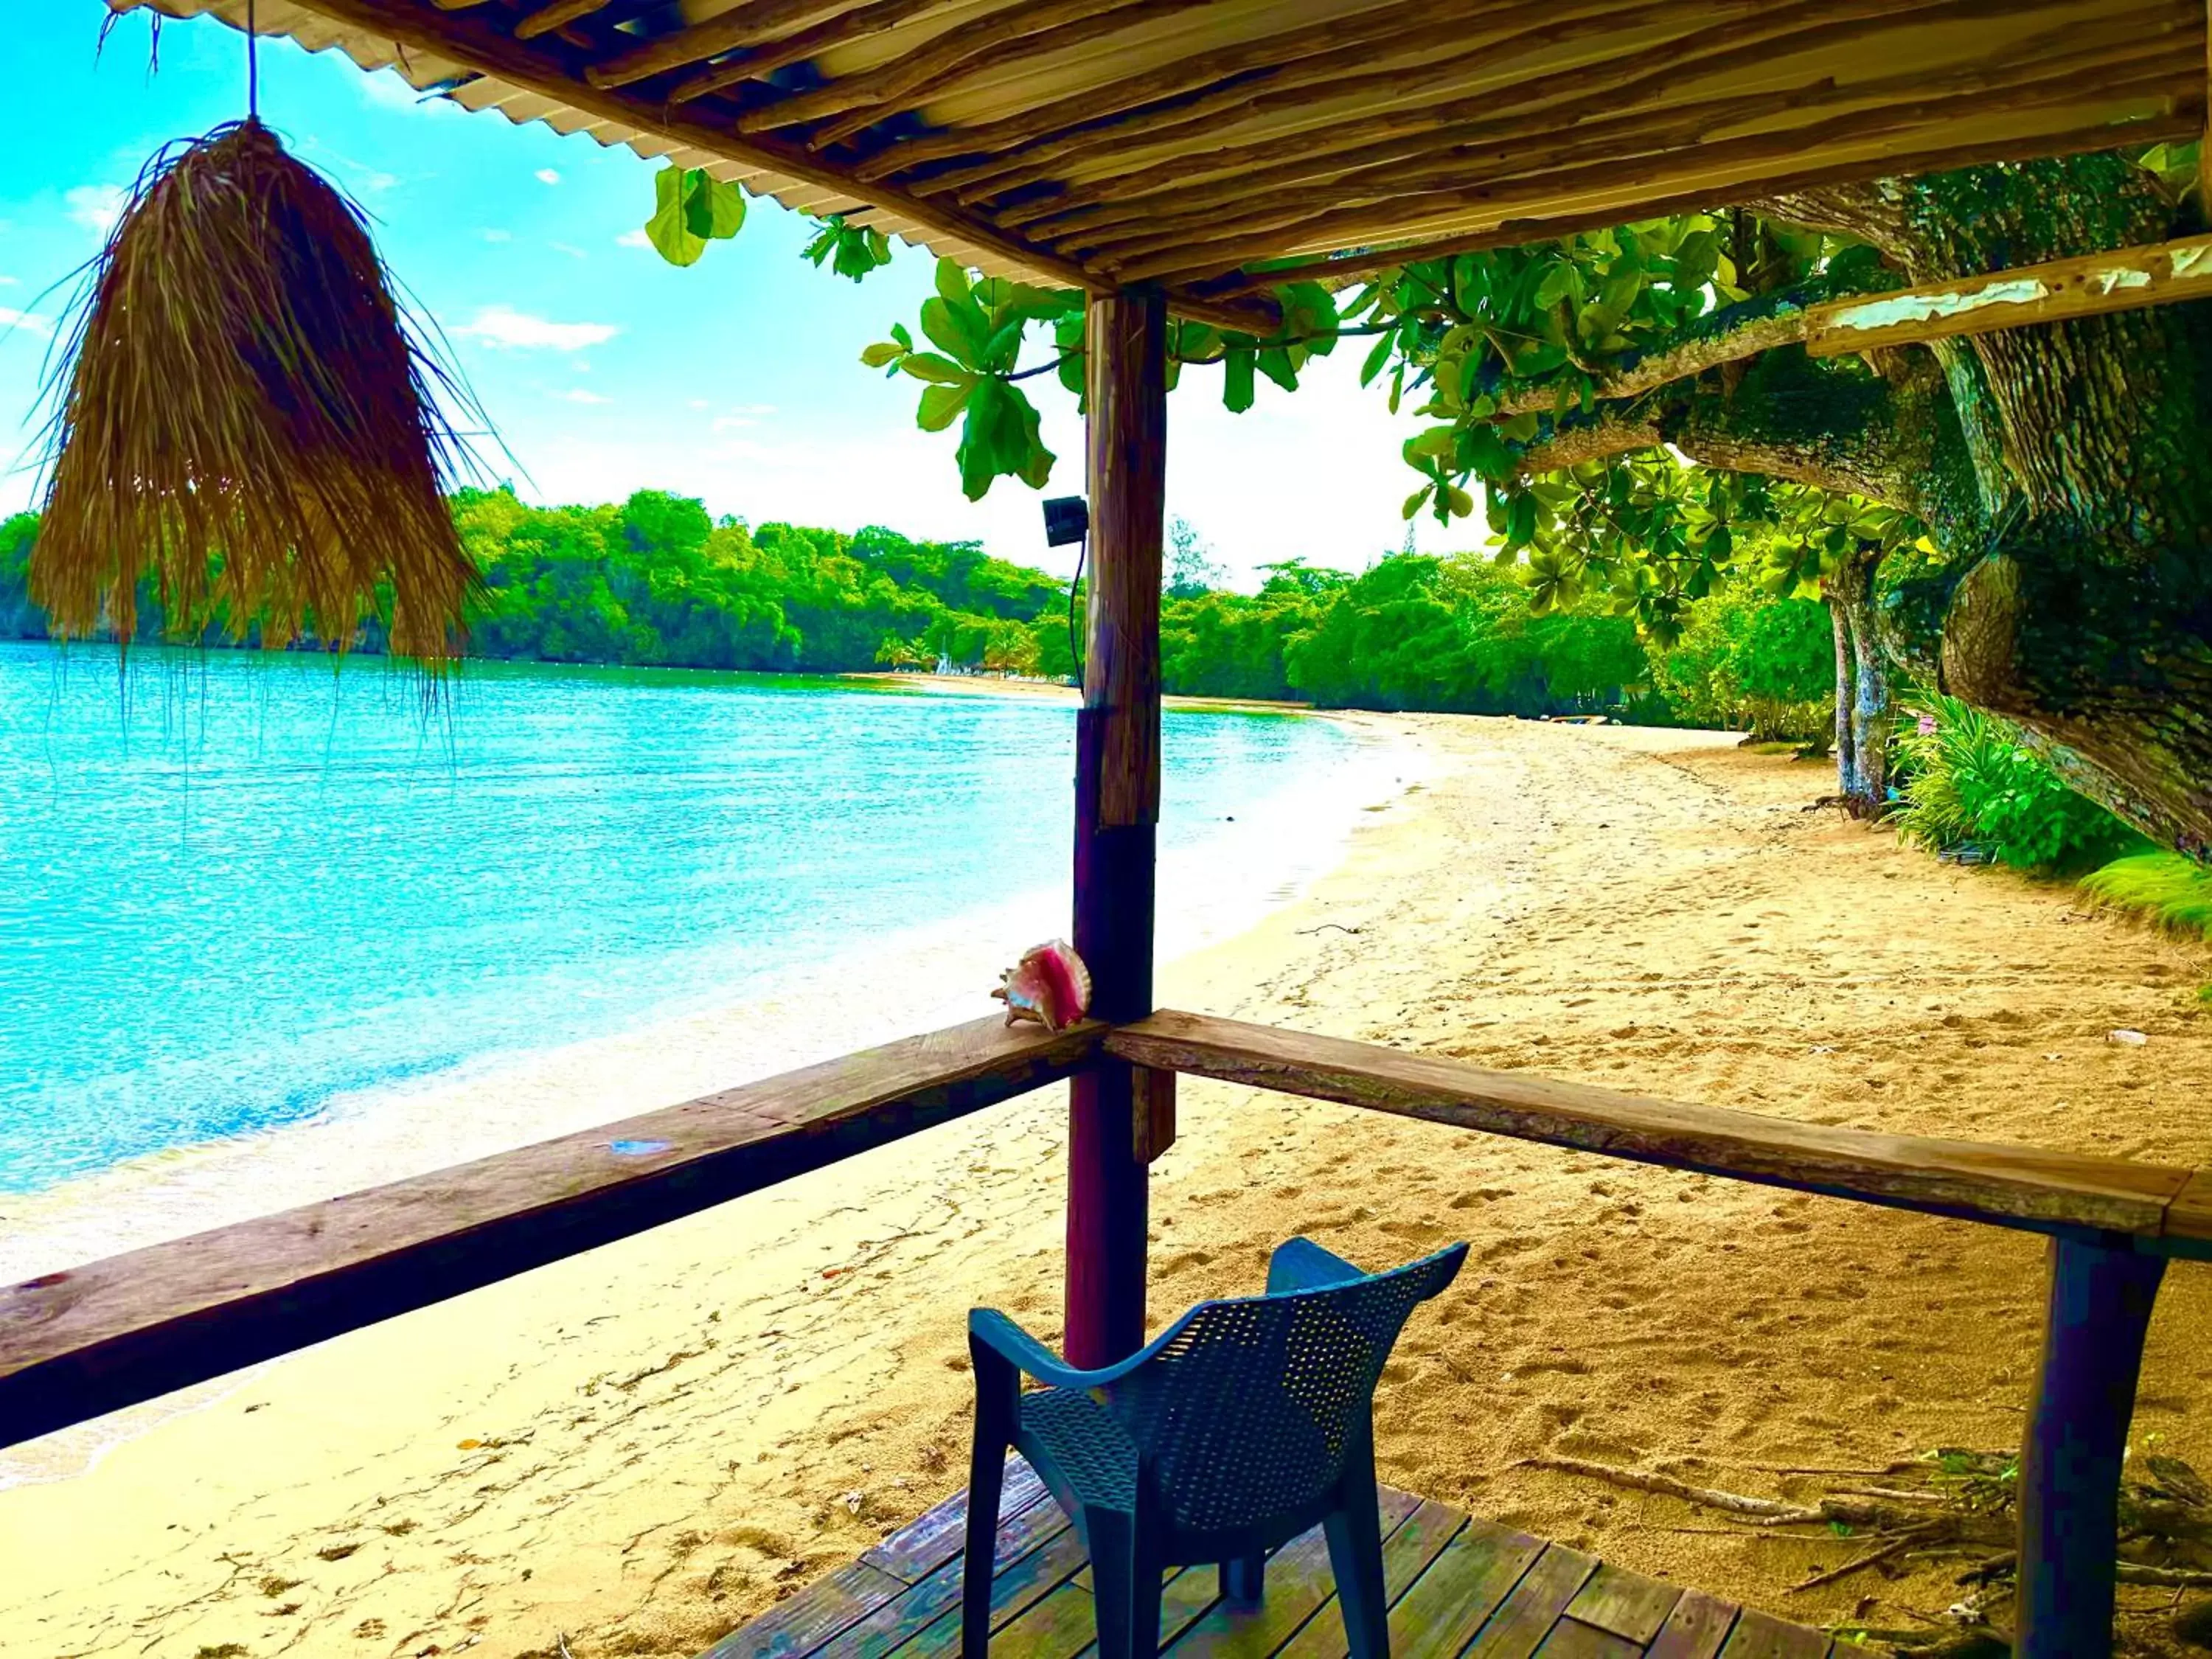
<point x="1406" y="1554"/>
<point x="1626" y="1603"/>
<point x="76" y="1344"/>
<point x="2007" y="1186"/>
<point x="1017" y="1587"/>
<point x="1440" y="1612"/>
<point x="1572" y="1639"/>
<point x="1298" y="1582"/>
<point x="924" y="1545"/>
<point x="1459" y="1589"/>
<point x="1538" y="1603"/>
<point x="1761" y="1636"/>
<point x="1058" y="1625"/>
<point x="1695" y="1630"/>
<point x="806" y="1620"/>
<point x="895" y="1624"/>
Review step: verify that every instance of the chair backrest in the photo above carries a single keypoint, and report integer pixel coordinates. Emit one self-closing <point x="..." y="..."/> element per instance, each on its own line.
<point x="1249" y="1408"/>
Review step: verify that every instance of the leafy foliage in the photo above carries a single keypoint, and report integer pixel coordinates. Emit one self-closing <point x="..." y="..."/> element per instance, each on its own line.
<point x="690" y="209"/>
<point x="1971" y="781"/>
<point x="1745" y="658"/>
<point x="851" y="251"/>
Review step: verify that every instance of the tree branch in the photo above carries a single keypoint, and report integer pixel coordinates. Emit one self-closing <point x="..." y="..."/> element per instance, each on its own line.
<point x="1727" y="336"/>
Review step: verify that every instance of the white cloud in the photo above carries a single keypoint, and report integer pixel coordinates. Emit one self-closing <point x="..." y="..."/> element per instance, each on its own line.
<point x="633" y="239"/>
<point x="698" y="403"/>
<point x="501" y="327"/>
<point x="97" y="207"/>
<point x="11" y="317"/>
<point x="578" y="394"/>
<point x="499" y="236"/>
<point x="547" y="176"/>
<point x="564" y="247"/>
<point x="6" y="281"/>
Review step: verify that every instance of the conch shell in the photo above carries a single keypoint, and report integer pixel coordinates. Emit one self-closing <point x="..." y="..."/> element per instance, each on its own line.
<point x="1049" y="985"/>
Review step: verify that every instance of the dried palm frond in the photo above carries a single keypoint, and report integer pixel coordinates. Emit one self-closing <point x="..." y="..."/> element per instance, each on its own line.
<point x="249" y="418"/>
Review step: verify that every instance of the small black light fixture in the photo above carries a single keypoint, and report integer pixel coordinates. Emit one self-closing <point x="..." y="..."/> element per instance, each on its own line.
<point x="1066" y="519"/>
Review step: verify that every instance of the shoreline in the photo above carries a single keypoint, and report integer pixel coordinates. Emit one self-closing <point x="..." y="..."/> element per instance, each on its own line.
<point x="892" y="987"/>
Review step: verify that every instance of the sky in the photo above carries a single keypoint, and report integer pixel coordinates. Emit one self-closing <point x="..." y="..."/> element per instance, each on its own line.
<point x="604" y="369"/>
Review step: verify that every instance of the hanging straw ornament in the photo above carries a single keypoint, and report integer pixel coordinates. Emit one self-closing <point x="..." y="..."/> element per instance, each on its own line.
<point x="246" y="415"/>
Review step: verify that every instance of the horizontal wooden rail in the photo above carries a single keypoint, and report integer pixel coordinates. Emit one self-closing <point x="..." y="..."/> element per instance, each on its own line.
<point x="75" y="1343"/>
<point x="2169" y="1209"/>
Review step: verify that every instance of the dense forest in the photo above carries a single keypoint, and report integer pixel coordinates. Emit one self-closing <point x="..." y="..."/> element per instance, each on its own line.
<point x="656" y="581"/>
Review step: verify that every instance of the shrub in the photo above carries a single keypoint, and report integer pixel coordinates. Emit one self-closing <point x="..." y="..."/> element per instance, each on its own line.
<point x="1971" y="781"/>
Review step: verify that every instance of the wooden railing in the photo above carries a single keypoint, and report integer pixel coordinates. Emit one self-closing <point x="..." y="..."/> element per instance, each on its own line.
<point x="79" y="1343"/>
<point x="90" y="1340"/>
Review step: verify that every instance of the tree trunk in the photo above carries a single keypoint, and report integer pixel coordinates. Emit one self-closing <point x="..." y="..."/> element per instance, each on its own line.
<point x="1863" y="698"/>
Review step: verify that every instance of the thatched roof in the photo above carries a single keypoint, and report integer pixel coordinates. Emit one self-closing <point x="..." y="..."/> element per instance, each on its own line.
<point x="1102" y="142"/>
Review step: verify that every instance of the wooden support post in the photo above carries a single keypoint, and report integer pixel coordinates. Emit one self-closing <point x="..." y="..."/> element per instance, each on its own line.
<point x="1117" y="808"/>
<point x="2077" y="1436"/>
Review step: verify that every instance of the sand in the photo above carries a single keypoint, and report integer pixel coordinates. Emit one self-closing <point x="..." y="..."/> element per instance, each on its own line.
<point x="631" y="1452"/>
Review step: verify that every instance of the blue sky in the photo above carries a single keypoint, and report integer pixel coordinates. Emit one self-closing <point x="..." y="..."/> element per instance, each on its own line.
<point x="606" y="371"/>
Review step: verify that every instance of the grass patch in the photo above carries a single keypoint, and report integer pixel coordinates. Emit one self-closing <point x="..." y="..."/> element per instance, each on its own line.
<point x="2165" y="888"/>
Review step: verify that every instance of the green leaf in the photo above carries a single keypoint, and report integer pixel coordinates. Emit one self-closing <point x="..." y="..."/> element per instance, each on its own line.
<point x="1275" y="363"/>
<point x="1237" y="389"/>
<point x="1436" y="442"/>
<point x="1003" y="348"/>
<point x="954" y="330"/>
<point x="712" y="210"/>
<point x="1559" y="283"/>
<point x="1376" y="358"/>
<point x="939" y="404"/>
<point x="951" y="280"/>
<point x="669" y="230"/>
<point x="899" y="333"/>
<point x="1457" y="501"/>
<point x="1483" y="452"/>
<point x="882" y="352"/>
<point x="929" y="366"/>
<point x="1521" y="520"/>
<point x="1415" y="502"/>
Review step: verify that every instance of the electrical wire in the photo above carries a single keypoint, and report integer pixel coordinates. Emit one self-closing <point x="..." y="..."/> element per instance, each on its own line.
<point x="1075" y="650"/>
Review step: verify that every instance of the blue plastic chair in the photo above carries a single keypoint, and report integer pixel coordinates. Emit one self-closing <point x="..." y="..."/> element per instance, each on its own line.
<point x="1245" y="1423"/>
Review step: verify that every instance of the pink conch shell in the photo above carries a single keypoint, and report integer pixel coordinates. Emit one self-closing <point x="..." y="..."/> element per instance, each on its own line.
<point x="1049" y="985"/>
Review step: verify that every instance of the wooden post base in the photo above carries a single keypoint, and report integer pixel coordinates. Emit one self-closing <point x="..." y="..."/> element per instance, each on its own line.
<point x="2101" y="1296"/>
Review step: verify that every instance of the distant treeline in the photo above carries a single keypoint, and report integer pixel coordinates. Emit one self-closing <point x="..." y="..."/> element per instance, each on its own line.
<point x="656" y="581"/>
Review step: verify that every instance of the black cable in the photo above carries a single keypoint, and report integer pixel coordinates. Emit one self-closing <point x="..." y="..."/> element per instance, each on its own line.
<point x="252" y="66"/>
<point x="1074" y="650"/>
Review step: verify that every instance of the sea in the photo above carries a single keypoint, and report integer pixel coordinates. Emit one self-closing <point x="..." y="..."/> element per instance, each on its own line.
<point x="237" y="887"/>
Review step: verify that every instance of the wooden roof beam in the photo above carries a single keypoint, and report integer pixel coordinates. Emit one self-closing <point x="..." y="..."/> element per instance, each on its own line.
<point x="1339" y="43"/>
<point x="556" y="14"/>
<point x="752" y="24"/>
<point x="2080" y="119"/>
<point x="999" y="41"/>
<point x="477" y="45"/>
<point x="1609" y="98"/>
<point x="1544" y="154"/>
<point x="1230" y="284"/>
<point x="796" y="48"/>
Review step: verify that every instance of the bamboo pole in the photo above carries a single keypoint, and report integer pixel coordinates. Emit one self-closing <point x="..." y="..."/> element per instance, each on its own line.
<point x="1118" y="794"/>
<point x="749" y="25"/>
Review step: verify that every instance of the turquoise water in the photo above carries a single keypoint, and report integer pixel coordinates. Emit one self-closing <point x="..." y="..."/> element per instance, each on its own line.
<point x="235" y="887"/>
